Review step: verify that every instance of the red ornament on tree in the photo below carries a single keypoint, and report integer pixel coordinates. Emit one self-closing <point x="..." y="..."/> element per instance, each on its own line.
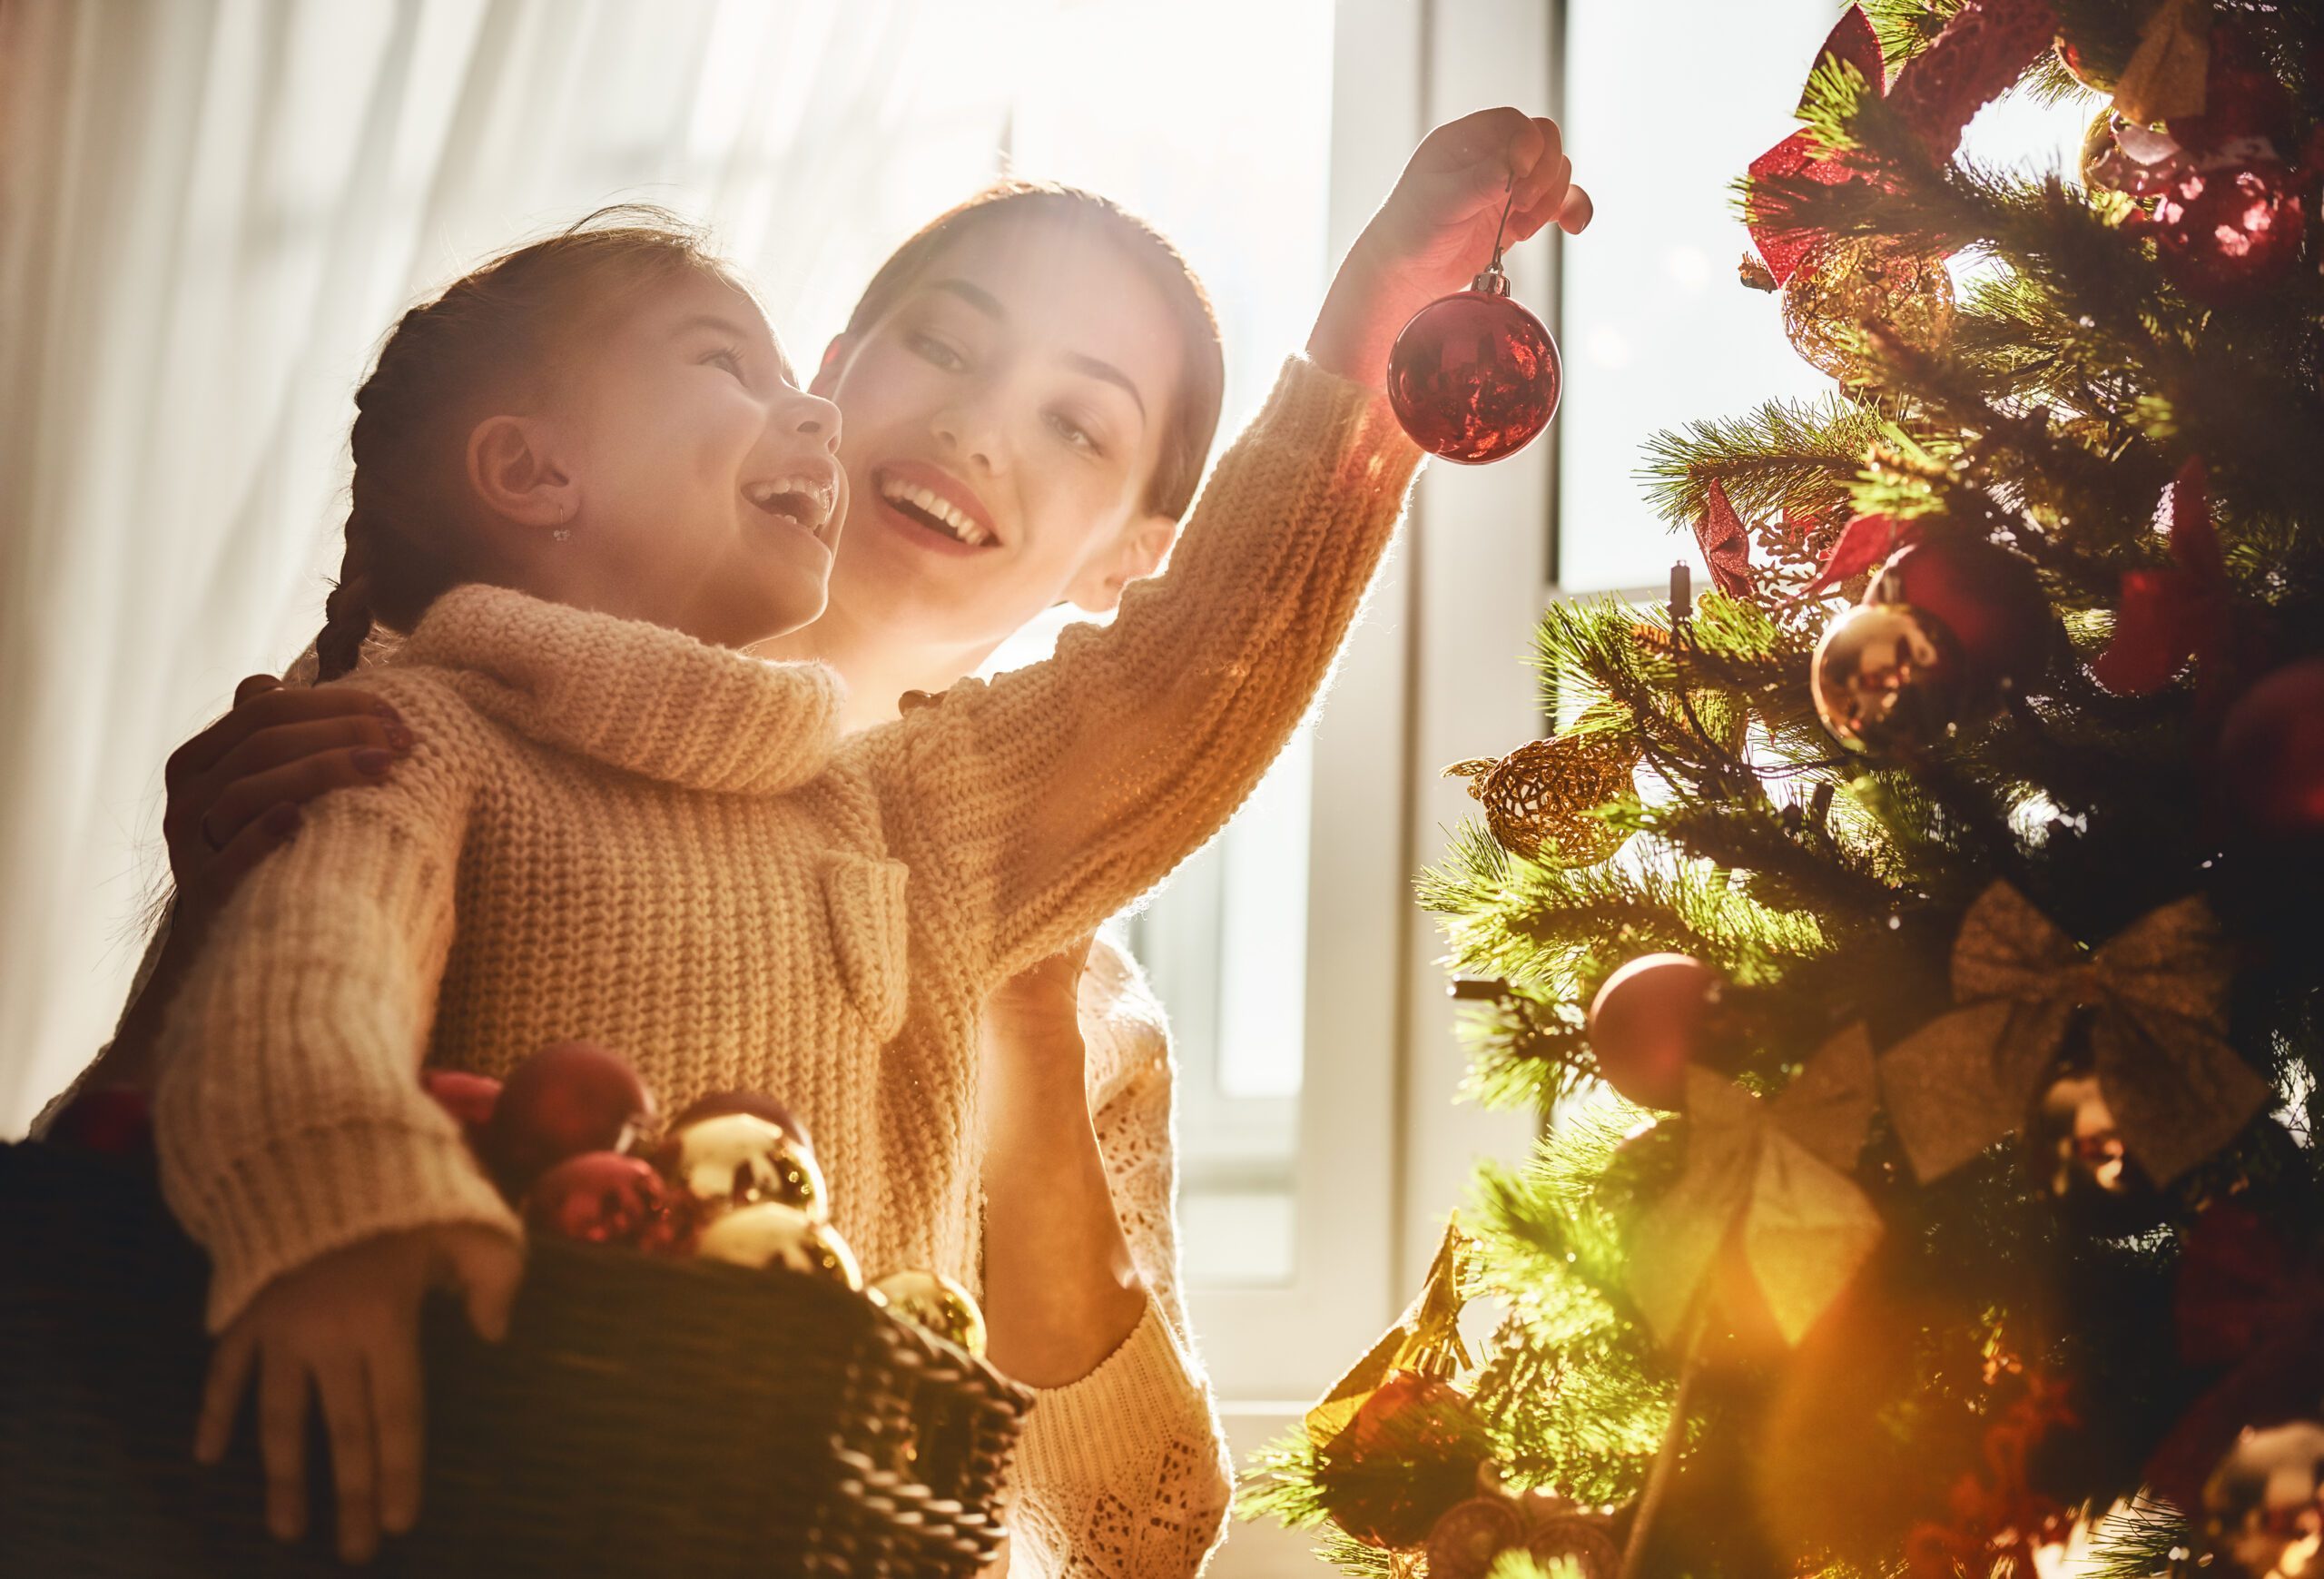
<point x="1648" y="1023"/>
<point x="605" y="1199"/>
<point x="2271" y="755"/>
<point x="1987" y="597"/>
<point x="1475" y="377"/>
<point x="1410" y="1453"/>
<point x="2230" y="225"/>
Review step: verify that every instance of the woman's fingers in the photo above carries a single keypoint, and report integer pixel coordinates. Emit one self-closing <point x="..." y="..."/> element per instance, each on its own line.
<point x="243" y="800"/>
<point x="221" y="1393"/>
<point x="254" y="685"/>
<point x="260" y="837"/>
<point x="396" y="1410"/>
<point x="486" y="1267"/>
<point x="281" y="1439"/>
<point x="1575" y="216"/>
<point x="346" y="1391"/>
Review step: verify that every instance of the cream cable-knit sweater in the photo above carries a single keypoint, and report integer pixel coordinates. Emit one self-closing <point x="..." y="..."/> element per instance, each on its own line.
<point x="610" y="830"/>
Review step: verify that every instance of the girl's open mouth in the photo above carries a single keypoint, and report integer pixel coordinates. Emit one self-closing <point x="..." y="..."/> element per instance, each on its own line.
<point x="800" y="501"/>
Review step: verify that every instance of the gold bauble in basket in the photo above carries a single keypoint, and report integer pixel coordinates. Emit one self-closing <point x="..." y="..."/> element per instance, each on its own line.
<point x="1853" y="283"/>
<point x="1541" y="794"/>
<point x="931" y="1300"/>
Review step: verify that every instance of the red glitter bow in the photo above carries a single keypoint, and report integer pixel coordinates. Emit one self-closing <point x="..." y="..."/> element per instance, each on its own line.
<point x="1726" y="544"/>
<point x="1864" y="542"/>
<point x="1982" y="49"/>
<point x="2165" y="616"/>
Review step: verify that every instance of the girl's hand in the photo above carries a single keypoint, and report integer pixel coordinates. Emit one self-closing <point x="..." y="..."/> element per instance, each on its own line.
<point x="235" y="789"/>
<point x="348" y="1324"/>
<point x="1041" y="1004"/>
<point x="1434" y="234"/>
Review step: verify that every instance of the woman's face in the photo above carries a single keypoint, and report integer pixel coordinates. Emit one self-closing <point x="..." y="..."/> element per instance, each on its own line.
<point x="705" y="488"/>
<point x="1003" y="423"/>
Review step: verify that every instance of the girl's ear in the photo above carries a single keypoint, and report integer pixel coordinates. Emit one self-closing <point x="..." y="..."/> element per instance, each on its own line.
<point x="515" y="473"/>
<point x="1138" y="552"/>
<point x="835" y="355"/>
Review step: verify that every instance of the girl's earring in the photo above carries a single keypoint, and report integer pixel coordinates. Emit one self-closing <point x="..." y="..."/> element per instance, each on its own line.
<point x="563" y="534"/>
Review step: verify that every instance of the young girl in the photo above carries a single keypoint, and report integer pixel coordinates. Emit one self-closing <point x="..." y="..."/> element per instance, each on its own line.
<point x="1374" y="352"/>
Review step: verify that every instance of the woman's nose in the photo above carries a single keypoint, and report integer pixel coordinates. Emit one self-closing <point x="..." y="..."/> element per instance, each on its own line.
<point x="963" y="430"/>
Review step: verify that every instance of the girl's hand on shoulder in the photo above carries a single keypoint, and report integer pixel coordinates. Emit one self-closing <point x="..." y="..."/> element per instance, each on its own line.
<point x="235" y="789"/>
<point x="1435" y="233"/>
<point x="347" y="1325"/>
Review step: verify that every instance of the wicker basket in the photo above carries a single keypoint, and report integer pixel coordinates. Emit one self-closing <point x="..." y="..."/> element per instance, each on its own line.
<point x="643" y="1416"/>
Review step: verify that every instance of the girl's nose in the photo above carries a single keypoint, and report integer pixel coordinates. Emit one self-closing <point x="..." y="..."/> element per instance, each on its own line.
<point x="816" y="417"/>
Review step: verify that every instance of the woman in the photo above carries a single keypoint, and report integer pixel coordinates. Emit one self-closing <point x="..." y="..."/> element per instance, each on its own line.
<point x="1031" y="385"/>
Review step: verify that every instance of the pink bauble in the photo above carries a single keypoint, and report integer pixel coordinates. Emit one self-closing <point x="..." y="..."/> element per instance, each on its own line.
<point x="1648" y="1023"/>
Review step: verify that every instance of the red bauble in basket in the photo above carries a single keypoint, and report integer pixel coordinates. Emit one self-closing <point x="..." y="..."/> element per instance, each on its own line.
<point x="602" y="1198"/>
<point x="567" y="1099"/>
<point x="1475" y="377"/>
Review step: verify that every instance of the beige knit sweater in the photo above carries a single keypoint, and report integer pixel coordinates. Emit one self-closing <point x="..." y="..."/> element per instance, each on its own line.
<point x="609" y="830"/>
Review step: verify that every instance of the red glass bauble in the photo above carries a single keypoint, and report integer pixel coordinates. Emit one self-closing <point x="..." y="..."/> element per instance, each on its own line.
<point x="606" y="1198"/>
<point x="1648" y="1023"/>
<point x="1409" y="1454"/>
<point x="1987" y="597"/>
<point x="565" y="1099"/>
<point x="2271" y="755"/>
<point x="2229" y="227"/>
<point x="718" y="1104"/>
<point x="1475" y="377"/>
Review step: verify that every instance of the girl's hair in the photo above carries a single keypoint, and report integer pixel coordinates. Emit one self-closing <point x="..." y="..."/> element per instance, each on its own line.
<point x="1194" y="415"/>
<point x="494" y="336"/>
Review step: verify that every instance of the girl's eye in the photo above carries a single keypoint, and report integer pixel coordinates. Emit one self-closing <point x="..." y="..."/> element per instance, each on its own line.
<point x="936" y="352"/>
<point x="727" y="356"/>
<point x="1074" y="433"/>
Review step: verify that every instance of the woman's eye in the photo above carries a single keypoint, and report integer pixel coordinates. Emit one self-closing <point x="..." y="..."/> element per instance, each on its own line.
<point x="937" y="352"/>
<point x="1074" y="433"/>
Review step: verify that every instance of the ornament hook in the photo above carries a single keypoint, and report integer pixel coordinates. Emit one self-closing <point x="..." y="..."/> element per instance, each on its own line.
<point x="1493" y="282"/>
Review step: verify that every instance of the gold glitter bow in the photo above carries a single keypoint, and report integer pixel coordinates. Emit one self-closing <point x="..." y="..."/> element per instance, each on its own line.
<point x="1426" y="1337"/>
<point x="1776" y="1172"/>
<point x="2157" y="996"/>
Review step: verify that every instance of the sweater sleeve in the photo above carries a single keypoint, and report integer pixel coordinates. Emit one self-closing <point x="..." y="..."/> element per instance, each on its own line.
<point x="1044" y="801"/>
<point x="1124" y="1474"/>
<point x="288" y="1114"/>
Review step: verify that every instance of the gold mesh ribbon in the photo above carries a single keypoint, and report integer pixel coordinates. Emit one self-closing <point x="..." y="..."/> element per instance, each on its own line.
<point x="2157" y="997"/>
<point x="1775" y="1172"/>
<point x="1426" y="1338"/>
<point x="2167" y="74"/>
<point x="1542" y="793"/>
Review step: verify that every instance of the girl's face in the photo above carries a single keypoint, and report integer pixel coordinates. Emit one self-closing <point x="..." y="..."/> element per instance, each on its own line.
<point x="704" y="491"/>
<point x="1004" y="419"/>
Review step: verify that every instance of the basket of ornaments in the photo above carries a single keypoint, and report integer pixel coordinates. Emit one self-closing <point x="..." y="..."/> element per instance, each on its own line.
<point x="697" y="1379"/>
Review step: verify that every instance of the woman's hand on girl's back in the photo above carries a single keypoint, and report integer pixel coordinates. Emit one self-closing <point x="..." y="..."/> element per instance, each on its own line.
<point x="1435" y="233"/>
<point x="347" y="1325"/>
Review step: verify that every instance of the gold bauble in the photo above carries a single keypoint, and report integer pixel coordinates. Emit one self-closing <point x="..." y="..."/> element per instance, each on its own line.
<point x="773" y="1235"/>
<point x="738" y="1160"/>
<point x="935" y="1302"/>
<point x="1541" y="793"/>
<point x="1853" y="283"/>
<point x="1885" y="676"/>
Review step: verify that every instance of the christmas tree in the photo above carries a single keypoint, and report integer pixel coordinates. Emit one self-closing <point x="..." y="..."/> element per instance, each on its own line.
<point x="1930" y="1179"/>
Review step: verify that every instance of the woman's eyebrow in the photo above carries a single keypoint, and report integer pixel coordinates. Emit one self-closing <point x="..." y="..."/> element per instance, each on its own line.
<point x="984" y="302"/>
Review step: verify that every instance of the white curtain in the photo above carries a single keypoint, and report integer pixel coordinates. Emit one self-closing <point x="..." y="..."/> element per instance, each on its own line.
<point x="210" y="212"/>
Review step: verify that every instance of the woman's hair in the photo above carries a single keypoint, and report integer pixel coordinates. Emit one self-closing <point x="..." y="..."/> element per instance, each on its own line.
<point x="493" y="336"/>
<point x="1194" y="415"/>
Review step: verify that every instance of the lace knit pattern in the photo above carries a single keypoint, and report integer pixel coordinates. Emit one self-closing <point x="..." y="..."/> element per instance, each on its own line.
<point x="1124" y="1474"/>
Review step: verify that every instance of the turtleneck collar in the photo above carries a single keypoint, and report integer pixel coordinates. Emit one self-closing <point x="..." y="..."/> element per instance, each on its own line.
<point x="641" y="697"/>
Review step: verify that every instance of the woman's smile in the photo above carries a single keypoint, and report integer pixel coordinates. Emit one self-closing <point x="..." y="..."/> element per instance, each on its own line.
<point x="937" y="508"/>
